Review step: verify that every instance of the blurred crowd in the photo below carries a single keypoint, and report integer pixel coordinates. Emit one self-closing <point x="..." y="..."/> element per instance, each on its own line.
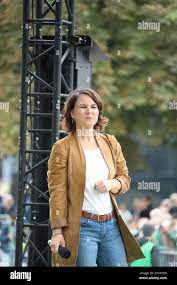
<point x="155" y="228"/>
<point x="7" y="229"/>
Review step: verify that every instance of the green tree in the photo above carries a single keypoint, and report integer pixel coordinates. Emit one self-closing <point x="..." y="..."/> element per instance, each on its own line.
<point x="136" y="84"/>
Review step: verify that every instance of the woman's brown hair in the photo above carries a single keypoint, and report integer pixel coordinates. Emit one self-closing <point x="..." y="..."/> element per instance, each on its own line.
<point x="67" y="124"/>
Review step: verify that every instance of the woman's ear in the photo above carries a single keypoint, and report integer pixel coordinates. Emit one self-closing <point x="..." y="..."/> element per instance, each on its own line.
<point x="71" y="114"/>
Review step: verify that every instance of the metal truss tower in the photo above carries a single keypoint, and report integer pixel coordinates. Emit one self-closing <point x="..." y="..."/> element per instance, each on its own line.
<point x="47" y="78"/>
<point x="54" y="62"/>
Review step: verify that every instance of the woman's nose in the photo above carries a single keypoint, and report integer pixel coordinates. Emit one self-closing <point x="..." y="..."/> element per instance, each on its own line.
<point x="88" y="110"/>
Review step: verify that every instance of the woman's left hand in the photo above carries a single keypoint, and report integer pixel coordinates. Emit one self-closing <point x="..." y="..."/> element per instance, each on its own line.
<point x="112" y="185"/>
<point x="101" y="186"/>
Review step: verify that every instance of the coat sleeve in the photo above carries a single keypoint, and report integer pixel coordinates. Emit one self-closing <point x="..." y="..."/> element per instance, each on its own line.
<point x="122" y="173"/>
<point x="57" y="184"/>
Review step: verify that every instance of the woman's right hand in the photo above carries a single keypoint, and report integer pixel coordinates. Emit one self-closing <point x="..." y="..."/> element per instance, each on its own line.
<point x="56" y="241"/>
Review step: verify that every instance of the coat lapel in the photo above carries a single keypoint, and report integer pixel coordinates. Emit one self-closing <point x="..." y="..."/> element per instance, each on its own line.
<point x="107" y="154"/>
<point x="104" y="147"/>
<point x="78" y="163"/>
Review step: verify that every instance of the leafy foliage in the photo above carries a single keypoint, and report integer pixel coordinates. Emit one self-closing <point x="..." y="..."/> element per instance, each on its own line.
<point x="136" y="84"/>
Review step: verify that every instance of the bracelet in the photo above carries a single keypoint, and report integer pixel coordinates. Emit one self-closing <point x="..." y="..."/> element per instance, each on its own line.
<point x="56" y="234"/>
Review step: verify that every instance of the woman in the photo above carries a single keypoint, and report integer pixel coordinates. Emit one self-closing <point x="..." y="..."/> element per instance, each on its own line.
<point x="86" y="171"/>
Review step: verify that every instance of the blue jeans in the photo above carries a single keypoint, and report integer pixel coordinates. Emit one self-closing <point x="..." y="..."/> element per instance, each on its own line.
<point x="100" y="244"/>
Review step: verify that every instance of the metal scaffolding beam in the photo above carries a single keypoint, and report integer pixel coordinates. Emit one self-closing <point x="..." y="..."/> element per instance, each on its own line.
<point x="44" y="88"/>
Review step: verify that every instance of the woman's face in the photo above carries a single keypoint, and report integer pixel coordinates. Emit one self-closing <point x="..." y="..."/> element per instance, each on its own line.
<point x="85" y="112"/>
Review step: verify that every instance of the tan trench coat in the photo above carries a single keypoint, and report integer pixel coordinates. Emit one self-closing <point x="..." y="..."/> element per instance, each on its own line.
<point x="66" y="181"/>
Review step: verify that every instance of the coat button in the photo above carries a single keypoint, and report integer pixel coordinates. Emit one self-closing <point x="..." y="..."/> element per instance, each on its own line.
<point x="57" y="212"/>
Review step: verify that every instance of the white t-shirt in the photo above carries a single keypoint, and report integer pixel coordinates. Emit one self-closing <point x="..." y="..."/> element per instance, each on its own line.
<point x="96" y="169"/>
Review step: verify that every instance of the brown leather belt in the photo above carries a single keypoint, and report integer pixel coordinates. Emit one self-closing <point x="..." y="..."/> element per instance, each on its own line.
<point x="98" y="218"/>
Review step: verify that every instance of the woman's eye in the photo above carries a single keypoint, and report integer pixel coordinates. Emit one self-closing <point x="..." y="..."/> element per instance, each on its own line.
<point x="93" y="107"/>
